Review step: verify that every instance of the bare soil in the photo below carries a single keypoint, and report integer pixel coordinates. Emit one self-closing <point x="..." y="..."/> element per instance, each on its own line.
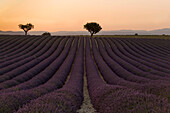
<point x="87" y="106"/>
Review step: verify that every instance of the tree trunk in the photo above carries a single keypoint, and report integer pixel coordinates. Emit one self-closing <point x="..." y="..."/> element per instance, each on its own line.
<point x="91" y="35"/>
<point x="25" y="32"/>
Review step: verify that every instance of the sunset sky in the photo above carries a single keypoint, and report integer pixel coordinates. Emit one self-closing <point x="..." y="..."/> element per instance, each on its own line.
<point x="71" y="15"/>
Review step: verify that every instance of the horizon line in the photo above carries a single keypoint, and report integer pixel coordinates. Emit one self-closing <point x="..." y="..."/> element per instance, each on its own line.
<point x="84" y="30"/>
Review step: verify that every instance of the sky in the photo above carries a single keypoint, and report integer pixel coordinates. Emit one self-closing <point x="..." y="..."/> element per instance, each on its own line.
<point x="71" y="15"/>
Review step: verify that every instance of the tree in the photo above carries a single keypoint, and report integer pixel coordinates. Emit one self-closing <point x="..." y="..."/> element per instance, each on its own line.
<point x="46" y="34"/>
<point x="93" y="28"/>
<point x="26" y="27"/>
<point x="136" y="34"/>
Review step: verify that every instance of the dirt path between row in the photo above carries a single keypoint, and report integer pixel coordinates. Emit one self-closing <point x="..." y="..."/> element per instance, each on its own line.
<point x="87" y="106"/>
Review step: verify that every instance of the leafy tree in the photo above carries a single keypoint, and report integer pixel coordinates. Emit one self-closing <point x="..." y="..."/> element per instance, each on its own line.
<point x="93" y="28"/>
<point x="26" y="27"/>
<point x="46" y="34"/>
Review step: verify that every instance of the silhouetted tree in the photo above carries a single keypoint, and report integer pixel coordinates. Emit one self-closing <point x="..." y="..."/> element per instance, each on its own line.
<point x="26" y="27"/>
<point x="136" y="34"/>
<point x="93" y="28"/>
<point x="46" y="34"/>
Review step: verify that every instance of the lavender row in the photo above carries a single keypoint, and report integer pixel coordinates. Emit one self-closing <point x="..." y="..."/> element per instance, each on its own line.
<point x="13" y="64"/>
<point x="13" y="47"/>
<point x="129" y="67"/>
<point x="147" y="50"/>
<point x="112" y="78"/>
<point x="158" y="45"/>
<point x="150" y="44"/>
<point x="140" y="49"/>
<point x="115" y="67"/>
<point x="43" y="71"/>
<point x="126" y="50"/>
<point x="135" y="52"/>
<point x="150" y="49"/>
<point x="3" y="39"/>
<point x="18" y="45"/>
<point x="6" y="39"/>
<point x="156" y="87"/>
<point x="36" y="65"/>
<point x="8" y="42"/>
<point x="114" y="98"/>
<point x="65" y="100"/>
<point x="23" y="50"/>
<point x="164" y="47"/>
<point x="144" y="53"/>
<point x="108" y="75"/>
<point x="150" y="58"/>
<point x="38" y="51"/>
<point x="19" y="98"/>
<point x="119" y="51"/>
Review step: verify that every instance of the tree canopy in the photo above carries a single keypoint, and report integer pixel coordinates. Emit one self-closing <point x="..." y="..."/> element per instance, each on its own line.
<point x="26" y="27"/>
<point x="93" y="28"/>
<point x="46" y="34"/>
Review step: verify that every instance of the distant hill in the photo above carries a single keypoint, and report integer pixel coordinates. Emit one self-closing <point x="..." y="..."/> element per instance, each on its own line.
<point x="11" y="32"/>
<point x="165" y="31"/>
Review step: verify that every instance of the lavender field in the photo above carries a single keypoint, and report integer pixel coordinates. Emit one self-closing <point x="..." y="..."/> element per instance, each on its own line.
<point x="45" y="74"/>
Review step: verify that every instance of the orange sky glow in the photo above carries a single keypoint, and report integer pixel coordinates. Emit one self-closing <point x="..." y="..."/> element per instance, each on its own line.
<point x="71" y="15"/>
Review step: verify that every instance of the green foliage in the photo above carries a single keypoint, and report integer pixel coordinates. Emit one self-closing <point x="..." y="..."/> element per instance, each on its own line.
<point x="93" y="28"/>
<point x="46" y="34"/>
<point x="26" y="27"/>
